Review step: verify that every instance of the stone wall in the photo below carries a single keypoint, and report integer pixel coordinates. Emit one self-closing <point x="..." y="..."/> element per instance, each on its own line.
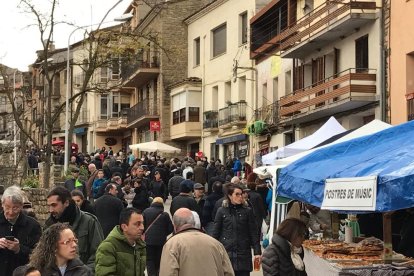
<point x="9" y="173"/>
<point x="38" y="198"/>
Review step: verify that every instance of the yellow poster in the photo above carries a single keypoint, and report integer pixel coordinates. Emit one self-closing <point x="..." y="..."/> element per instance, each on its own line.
<point x="275" y="66"/>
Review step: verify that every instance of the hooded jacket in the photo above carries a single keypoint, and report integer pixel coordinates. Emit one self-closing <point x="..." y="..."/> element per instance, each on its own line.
<point x="115" y="256"/>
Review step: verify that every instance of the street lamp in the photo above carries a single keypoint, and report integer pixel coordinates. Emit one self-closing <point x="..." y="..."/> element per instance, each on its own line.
<point x="68" y="81"/>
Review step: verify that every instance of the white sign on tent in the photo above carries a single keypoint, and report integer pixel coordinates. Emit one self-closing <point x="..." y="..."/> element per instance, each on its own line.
<point x="350" y="194"/>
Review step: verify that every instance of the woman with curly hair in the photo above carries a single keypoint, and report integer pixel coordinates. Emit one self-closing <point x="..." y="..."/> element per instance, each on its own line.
<point x="56" y="253"/>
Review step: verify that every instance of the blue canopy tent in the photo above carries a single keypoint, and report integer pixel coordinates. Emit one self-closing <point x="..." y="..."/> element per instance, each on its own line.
<point x="388" y="154"/>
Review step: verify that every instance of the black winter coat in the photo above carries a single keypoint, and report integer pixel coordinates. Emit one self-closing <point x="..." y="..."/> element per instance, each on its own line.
<point x="74" y="267"/>
<point x="157" y="189"/>
<point x="160" y="229"/>
<point x="107" y="210"/>
<point x="183" y="201"/>
<point x="276" y="260"/>
<point x="209" y="206"/>
<point x="236" y="229"/>
<point x="28" y="231"/>
<point x="140" y="200"/>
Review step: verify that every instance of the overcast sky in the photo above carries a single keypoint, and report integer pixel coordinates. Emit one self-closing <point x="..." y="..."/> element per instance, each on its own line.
<point x="19" y="41"/>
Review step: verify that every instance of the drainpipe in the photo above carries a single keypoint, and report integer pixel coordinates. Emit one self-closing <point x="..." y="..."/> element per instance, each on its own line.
<point x="383" y="98"/>
<point x="203" y="92"/>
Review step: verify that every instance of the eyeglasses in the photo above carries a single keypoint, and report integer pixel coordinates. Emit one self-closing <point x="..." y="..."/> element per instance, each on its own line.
<point x="238" y="194"/>
<point x="14" y="208"/>
<point x="69" y="241"/>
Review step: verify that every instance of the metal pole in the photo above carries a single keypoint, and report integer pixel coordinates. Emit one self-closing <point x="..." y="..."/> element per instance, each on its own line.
<point x="14" y="121"/>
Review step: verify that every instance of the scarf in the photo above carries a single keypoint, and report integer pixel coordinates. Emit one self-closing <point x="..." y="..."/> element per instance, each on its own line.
<point x="296" y="258"/>
<point x="68" y="215"/>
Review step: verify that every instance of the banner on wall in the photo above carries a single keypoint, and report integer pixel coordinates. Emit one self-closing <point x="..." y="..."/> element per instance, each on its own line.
<point x="155" y="126"/>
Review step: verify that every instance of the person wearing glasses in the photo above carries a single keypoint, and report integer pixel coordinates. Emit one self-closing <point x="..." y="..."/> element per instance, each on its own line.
<point x="285" y="255"/>
<point x="56" y="253"/>
<point x="19" y="233"/>
<point x="235" y="227"/>
<point x="86" y="226"/>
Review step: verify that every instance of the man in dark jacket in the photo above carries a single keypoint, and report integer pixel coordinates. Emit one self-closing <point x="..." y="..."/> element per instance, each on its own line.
<point x="207" y="219"/>
<point x="86" y="226"/>
<point x="174" y="183"/>
<point x="75" y="182"/>
<point x="141" y="197"/>
<point x="183" y="200"/>
<point x="158" y="226"/>
<point x="108" y="208"/>
<point x="116" y="168"/>
<point x="18" y="232"/>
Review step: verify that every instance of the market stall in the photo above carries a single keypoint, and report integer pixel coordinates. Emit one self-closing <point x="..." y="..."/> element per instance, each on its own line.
<point x="280" y="204"/>
<point x="370" y="174"/>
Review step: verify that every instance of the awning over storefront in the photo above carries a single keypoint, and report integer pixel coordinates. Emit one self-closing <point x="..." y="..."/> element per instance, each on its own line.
<point x="79" y="130"/>
<point x="231" y="139"/>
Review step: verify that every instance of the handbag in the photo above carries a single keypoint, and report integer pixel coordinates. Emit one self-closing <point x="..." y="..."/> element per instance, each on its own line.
<point x="143" y="234"/>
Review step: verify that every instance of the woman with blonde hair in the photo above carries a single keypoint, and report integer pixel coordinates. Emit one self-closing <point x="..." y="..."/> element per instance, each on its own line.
<point x="56" y="253"/>
<point x="157" y="226"/>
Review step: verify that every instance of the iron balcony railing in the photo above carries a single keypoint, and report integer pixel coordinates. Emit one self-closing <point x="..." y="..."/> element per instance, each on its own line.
<point x="210" y="119"/>
<point x="269" y="113"/>
<point x="139" y="110"/>
<point x="128" y="68"/>
<point x="235" y="112"/>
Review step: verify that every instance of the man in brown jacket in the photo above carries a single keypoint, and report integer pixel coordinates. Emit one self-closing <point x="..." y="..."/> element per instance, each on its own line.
<point x="93" y="175"/>
<point x="191" y="251"/>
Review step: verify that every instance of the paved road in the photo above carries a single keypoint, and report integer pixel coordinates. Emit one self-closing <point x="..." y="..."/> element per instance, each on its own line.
<point x="167" y="209"/>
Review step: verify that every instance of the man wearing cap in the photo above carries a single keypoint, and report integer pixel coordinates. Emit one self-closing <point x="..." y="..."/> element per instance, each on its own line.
<point x="200" y="198"/>
<point x="75" y="182"/>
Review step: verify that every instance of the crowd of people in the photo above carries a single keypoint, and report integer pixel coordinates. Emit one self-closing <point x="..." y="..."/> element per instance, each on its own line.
<point x="112" y="221"/>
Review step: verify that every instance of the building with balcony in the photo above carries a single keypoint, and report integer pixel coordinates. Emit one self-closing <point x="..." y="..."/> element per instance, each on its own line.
<point x="12" y="83"/>
<point x="47" y="96"/>
<point x="317" y="59"/>
<point x="218" y="43"/>
<point x="400" y="79"/>
<point x="151" y="74"/>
